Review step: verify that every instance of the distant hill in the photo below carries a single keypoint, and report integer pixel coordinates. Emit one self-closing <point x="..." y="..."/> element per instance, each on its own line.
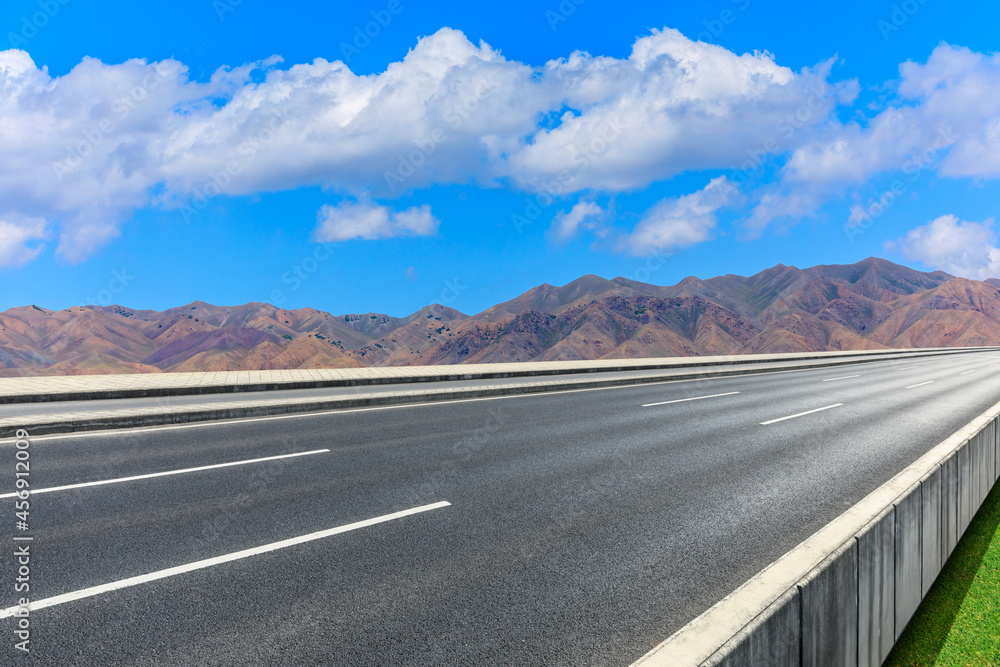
<point x="868" y="305"/>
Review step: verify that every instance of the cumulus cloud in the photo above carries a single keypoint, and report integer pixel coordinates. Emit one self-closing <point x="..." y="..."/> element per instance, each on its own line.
<point x="16" y="235"/>
<point x="785" y="203"/>
<point x="672" y="106"/>
<point x="962" y="248"/>
<point x="683" y="221"/>
<point x="946" y="119"/>
<point x="956" y="89"/>
<point x="364" y="220"/>
<point x="451" y="111"/>
<point x="584" y="215"/>
<point x="84" y="150"/>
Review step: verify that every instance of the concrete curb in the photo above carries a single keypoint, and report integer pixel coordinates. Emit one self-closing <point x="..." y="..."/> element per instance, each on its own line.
<point x="469" y="372"/>
<point x="845" y="594"/>
<point x="74" y="422"/>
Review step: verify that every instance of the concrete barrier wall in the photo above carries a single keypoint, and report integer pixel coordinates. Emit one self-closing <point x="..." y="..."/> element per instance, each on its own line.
<point x="876" y="589"/>
<point x="41" y="389"/>
<point x="851" y="607"/>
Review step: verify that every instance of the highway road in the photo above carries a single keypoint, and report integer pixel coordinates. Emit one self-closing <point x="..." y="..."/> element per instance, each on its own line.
<point x="568" y="528"/>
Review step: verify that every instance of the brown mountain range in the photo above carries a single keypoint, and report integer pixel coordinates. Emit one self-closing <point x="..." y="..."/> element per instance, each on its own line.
<point x="871" y="304"/>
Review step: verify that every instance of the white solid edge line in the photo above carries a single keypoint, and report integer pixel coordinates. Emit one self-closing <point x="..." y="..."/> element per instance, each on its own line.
<point x="695" y="398"/>
<point x="912" y="386"/>
<point x="118" y="480"/>
<point x="299" y="415"/>
<point x="967" y="372"/>
<point x="218" y="560"/>
<point x="908" y="368"/>
<point x="846" y="377"/>
<point x="801" y="414"/>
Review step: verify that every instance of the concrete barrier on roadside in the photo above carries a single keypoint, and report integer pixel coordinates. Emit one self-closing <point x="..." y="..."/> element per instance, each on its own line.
<point x="45" y="389"/>
<point x="581" y="375"/>
<point x="844" y="596"/>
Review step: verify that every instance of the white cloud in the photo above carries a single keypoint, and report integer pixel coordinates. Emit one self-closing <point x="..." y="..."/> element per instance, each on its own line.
<point x="85" y="149"/>
<point x="785" y="203"/>
<point x="946" y="119"/>
<point x="957" y="87"/>
<point x="451" y="111"/>
<point x="16" y="234"/>
<point x="584" y="215"/>
<point x="80" y="152"/>
<point x="364" y="220"/>
<point x="683" y="221"/>
<point x="673" y="105"/>
<point x="962" y="248"/>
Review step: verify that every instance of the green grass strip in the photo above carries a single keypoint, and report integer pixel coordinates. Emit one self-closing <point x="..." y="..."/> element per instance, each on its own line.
<point x="958" y="623"/>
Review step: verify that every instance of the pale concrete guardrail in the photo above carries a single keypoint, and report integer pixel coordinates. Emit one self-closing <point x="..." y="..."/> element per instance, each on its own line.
<point x="34" y="389"/>
<point x="118" y="418"/>
<point x="845" y="594"/>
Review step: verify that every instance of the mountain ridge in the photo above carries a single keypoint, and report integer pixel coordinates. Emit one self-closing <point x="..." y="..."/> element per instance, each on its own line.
<point x="871" y="304"/>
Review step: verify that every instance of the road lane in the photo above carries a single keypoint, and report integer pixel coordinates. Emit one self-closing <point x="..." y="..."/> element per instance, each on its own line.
<point x="73" y="596"/>
<point x="584" y="528"/>
<point x="921" y="384"/>
<point x="693" y="398"/>
<point x="800" y="414"/>
<point x="165" y="473"/>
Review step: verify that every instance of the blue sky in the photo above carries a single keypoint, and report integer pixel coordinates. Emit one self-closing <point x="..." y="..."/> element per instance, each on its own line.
<point x="463" y="154"/>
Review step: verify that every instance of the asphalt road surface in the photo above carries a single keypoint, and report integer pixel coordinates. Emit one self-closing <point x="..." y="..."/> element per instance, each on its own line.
<point x="570" y="528"/>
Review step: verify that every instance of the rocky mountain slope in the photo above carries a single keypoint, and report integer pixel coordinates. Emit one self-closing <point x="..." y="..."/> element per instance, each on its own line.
<point x="871" y="304"/>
